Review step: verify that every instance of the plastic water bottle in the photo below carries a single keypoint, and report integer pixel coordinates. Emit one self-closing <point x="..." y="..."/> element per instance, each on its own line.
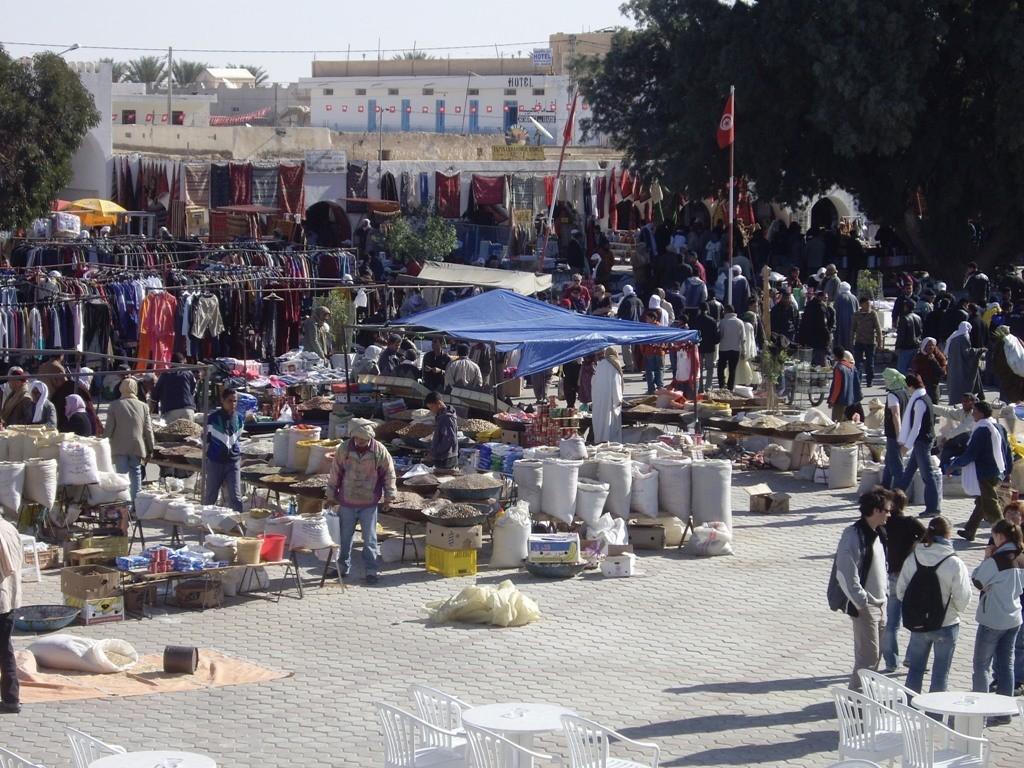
<point x="293" y="508"/>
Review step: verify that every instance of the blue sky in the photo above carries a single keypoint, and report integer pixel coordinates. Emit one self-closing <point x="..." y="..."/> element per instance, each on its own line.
<point x="302" y="25"/>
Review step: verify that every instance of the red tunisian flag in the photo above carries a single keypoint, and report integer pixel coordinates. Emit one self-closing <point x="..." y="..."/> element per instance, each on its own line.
<point x="726" y="126"/>
<point x="567" y="133"/>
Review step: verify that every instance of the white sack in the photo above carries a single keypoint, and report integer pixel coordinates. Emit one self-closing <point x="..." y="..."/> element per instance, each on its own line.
<point x="842" y="466"/>
<point x="528" y="475"/>
<point x="572" y="448"/>
<point x="616" y="470"/>
<point x="12" y="482"/>
<point x="711" y="492"/>
<point x="558" y="493"/>
<point x="590" y="501"/>
<point x="83" y="654"/>
<point x="643" y="496"/>
<point x="511" y="537"/>
<point x="674" y="481"/>
<point x="41" y="481"/>
<point x="78" y="464"/>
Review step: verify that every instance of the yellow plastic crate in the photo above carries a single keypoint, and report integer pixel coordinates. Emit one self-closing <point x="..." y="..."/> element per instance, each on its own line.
<point x="451" y="562"/>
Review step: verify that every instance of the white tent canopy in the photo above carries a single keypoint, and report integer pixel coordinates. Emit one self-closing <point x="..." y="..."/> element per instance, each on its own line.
<point x="441" y="273"/>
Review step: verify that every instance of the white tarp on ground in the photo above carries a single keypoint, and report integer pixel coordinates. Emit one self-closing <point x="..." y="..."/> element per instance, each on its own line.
<point x="440" y="273"/>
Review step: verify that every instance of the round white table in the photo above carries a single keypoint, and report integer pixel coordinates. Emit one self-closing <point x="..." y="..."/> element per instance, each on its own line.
<point x="518" y="722"/>
<point x="164" y="758"/>
<point x="968" y="710"/>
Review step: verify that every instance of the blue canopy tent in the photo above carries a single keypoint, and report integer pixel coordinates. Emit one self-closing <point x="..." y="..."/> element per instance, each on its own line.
<point x="547" y="335"/>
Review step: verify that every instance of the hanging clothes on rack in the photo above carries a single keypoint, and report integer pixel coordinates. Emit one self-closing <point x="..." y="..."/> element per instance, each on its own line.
<point x="220" y="185"/>
<point x="241" y="183"/>
<point x="388" y="188"/>
<point x="197" y="184"/>
<point x="264" y="185"/>
<point x="357" y="186"/>
<point x="156" y="329"/>
<point x="291" y="195"/>
<point x="448" y="192"/>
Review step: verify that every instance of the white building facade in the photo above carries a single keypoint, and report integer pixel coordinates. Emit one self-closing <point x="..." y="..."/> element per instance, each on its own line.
<point x="461" y="104"/>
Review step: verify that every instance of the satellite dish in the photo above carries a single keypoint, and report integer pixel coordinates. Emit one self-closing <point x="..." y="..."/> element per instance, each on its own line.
<point x="541" y="128"/>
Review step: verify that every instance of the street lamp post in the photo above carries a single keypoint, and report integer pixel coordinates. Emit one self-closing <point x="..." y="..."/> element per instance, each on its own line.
<point x="74" y="47"/>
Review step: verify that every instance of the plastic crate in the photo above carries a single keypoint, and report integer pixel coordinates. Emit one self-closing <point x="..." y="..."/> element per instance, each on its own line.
<point x="451" y="562"/>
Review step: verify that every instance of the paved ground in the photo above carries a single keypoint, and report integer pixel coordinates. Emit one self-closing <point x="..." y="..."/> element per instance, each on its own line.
<point x="722" y="662"/>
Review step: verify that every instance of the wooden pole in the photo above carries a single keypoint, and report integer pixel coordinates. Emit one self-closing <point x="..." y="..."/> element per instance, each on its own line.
<point x="732" y="205"/>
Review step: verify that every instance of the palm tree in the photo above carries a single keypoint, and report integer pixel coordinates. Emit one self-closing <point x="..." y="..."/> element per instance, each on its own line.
<point x="412" y="56"/>
<point x="187" y="72"/>
<point x="118" y="70"/>
<point x="258" y="72"/>
<point x="147" y="69"/>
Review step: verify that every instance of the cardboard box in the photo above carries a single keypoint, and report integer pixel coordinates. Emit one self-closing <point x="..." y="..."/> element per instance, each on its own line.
<point x="90" y="582"/>
<point x="619" y="566"/>
<point x="554" y="548"/>
<point x="511" y="437"/>
<point x="647" y="536"/>
<point x="455" y="538"/>
<point x="99" y="611"/>
<point x="511" y="388"/>
<point x="764" y="500"/>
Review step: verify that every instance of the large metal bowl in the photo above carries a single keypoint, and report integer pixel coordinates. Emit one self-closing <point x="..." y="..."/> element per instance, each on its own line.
<point x="44" y="618"/>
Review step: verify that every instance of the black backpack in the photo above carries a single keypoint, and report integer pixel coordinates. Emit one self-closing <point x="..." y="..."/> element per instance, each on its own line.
<point x="923" y="609"/>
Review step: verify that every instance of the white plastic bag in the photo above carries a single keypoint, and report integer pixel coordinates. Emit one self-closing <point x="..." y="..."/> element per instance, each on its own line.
<point x="1014" y="354"/>
<point x="41" y="481"/>
<point x="78" y="464"/>
<point x="616" y="470"/>
<point x="111" y="487"/>
<point x="674" y="483"/>
<point x="709" y="540"/>
<point x="590" y="500"/>
<point x="608" y="530"/>
<point x="12" y="482"/>
<point x="83" y="654"/>
<point x="511" y="537"/>
<point x="311" y="533"/>
<point x="558" y="493"/>
<point x="528" y="475"/>
<point x="572" y="448"/>
<point x="643" y="496"/>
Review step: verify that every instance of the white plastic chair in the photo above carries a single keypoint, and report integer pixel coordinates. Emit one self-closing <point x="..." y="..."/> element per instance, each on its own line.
<point x="589" y="741"/>
<point x="28" y="546"/>
<point x="1020" y="706"/>
<point x="928" y="743"/>
<point x="10" y="760"/>
<point x="862" y="731"/>
<point x="409" y="743"/>
<point x="491" y="750"/>
<point x="442" y="711"/>
<point x="85" y="749"/>
<point x="888" y="693"/>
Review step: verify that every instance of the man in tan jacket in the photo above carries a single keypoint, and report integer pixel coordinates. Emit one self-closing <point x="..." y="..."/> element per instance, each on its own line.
<point x="11" y="556"/>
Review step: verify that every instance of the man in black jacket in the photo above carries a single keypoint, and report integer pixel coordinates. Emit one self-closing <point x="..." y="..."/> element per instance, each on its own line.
<point x="444" y="447"/>
<point x="814" y="332"/>
<point x="785" y="316"/>
<point x="630" y="308"/>
<point x="707" y="326"/>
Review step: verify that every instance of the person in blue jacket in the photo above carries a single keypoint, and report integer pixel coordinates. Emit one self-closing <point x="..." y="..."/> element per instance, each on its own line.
<point x="223" y="452"/>
<point x="986" y="462"/>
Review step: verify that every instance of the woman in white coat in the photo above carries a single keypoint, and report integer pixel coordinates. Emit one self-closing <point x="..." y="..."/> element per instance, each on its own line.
<point x="606" y="406"/>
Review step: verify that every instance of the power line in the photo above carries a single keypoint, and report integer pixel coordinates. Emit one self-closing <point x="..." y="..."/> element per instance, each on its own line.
<point x="310" y="51"/>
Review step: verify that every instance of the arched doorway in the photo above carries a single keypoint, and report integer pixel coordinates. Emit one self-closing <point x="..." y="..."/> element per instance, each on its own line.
<point x="824" y="215"/>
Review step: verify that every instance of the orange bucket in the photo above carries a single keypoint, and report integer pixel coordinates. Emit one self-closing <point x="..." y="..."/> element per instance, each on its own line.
<point x="272" y="549"/>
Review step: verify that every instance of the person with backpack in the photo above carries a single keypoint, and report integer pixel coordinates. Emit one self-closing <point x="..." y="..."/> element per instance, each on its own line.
<point x="901" y="534"/>
<point x="999" y="611"/>
<point x="934" y="588"/>
<point x="858" y="585"/>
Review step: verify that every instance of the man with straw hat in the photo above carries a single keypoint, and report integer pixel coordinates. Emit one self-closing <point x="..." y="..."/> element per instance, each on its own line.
<point x="362" y="479"/>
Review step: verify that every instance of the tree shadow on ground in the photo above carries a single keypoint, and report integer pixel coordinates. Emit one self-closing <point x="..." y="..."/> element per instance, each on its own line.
<point x="812" y="713"/>
<point x="753" y="753"/>
<point x="764" y="686"/>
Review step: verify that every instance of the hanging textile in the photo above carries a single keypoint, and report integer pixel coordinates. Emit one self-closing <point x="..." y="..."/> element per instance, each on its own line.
<point x="549" y="191"/>
<point x="197" y="184"/>
<point x="424" y="189"/>
<point x="220" y="185"/>
<point x="405" y="189"/>
<point x="613" y="211"/>
<point x="358" y="181"/>
<point x="522" y="193"/>
<point x="264" y="185"/>
<point x="488" y="190"/>
<point x="291" y="195"/>
<point x="388" y="188"/>
<point x="448" y="195"/>
<point x="241" y="183"/>
<point x="161" y="186"/>
<point x="602" y="186"/>
<point x="588" y="199"/>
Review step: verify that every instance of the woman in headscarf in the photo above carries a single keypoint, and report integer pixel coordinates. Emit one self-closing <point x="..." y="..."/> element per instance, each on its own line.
<point x="962" y="364"/>
<point x="76" y="384"/>
<point x="43" y="411"/>
<point x="930" y="364"/>
<point x="76" y="418"/>
<point x="895" y="404"/>
<point x="606" y="408"/>
<point x="654" y="305"/>
<point x="130" y="432"/>
<point x="1011" y="386"/>
<point x="844" y="395"/>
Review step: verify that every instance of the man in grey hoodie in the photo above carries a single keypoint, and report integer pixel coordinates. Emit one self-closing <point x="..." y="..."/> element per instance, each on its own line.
<point x="858" y="585"/>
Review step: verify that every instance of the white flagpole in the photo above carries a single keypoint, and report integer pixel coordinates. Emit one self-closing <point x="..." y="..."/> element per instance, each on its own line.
<point x="732" y="203"/>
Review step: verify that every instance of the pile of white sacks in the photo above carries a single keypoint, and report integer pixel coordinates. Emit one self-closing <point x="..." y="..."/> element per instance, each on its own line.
<point x="35" y="460"/>
<point x="604" y="485"/>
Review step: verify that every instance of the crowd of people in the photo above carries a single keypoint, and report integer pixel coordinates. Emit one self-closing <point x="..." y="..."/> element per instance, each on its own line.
<point x="891" y="569"/>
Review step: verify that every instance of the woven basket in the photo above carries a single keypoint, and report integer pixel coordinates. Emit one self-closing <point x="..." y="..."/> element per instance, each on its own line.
<point x="248" y="551"/>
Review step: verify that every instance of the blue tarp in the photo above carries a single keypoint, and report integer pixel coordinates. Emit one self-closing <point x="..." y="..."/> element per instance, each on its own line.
<point x="547" y="335"/>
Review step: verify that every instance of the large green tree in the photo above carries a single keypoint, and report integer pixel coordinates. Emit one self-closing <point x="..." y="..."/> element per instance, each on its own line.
<point x="187" y="72"/>
<point x="147" y="69"/>
<point x="912" y="105"/>
<point x="45" y="112"/>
